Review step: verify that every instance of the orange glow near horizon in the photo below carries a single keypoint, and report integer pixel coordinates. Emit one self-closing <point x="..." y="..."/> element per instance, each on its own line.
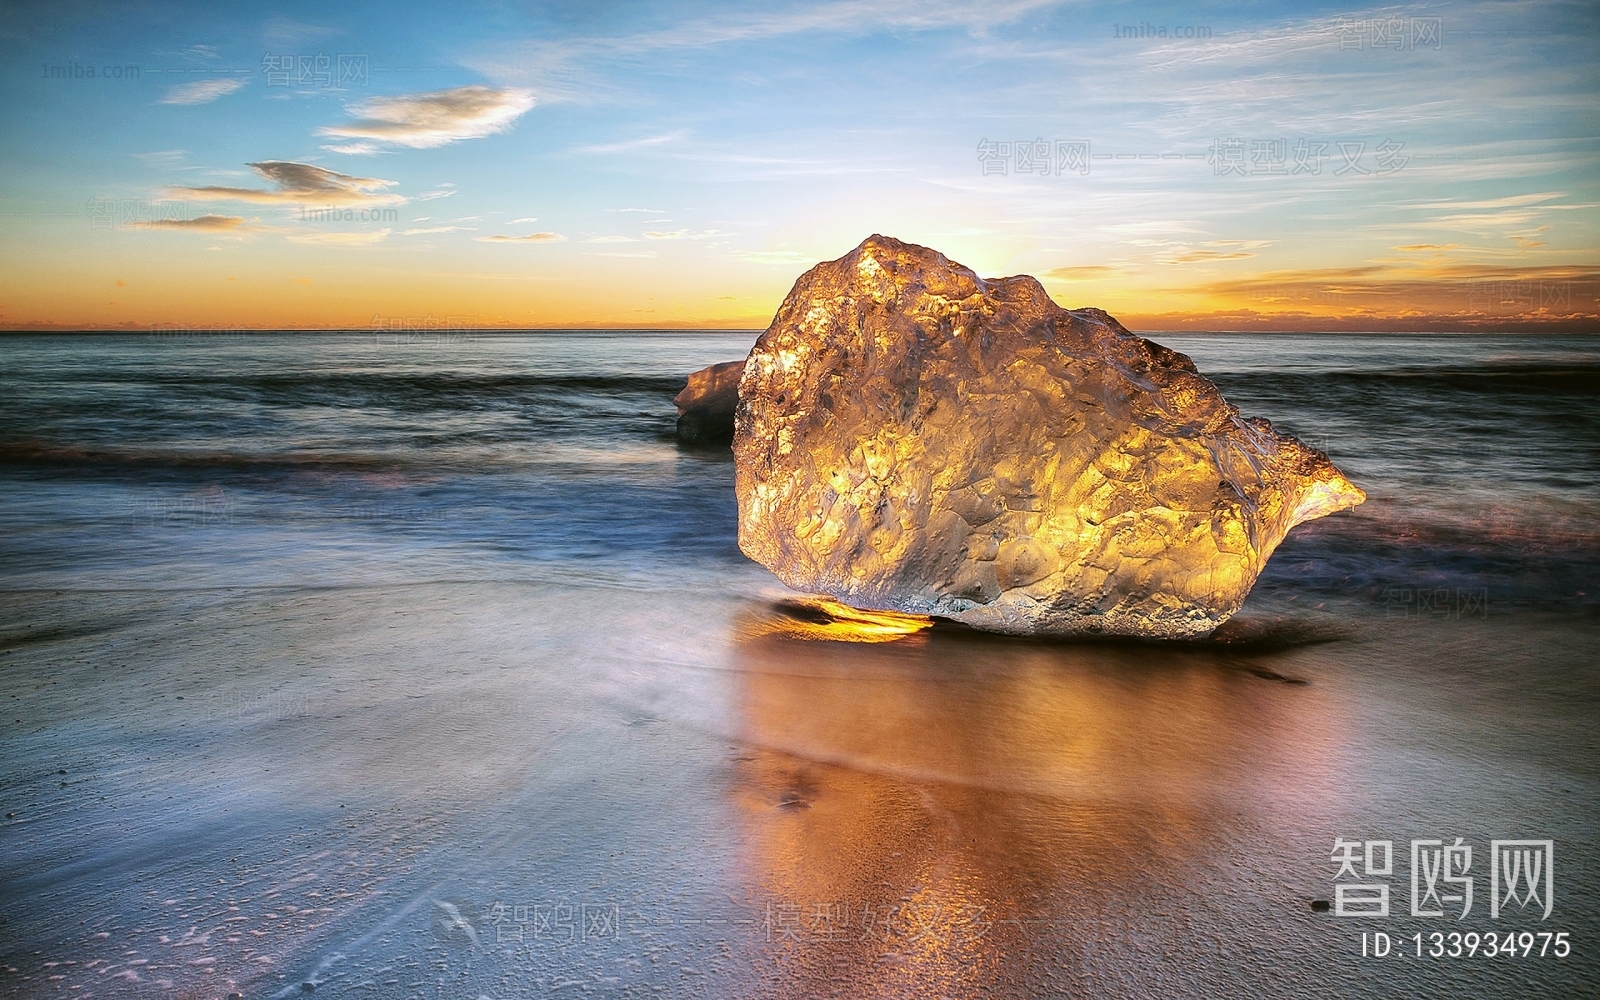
<point x="145" y="295"/>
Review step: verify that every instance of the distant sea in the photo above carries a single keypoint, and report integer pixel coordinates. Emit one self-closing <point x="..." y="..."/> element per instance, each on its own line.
<point x="427" y="665"/>
<point x="296" y="458"/>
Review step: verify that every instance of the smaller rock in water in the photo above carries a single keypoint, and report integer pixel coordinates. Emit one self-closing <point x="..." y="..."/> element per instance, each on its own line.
<point x="706" y="404"/>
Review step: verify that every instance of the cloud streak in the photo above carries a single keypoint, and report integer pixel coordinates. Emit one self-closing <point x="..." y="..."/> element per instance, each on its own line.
<point x="203" y="223"/>
<point x="436" y="118"/>
<point x="342" y="239"/>
<point x="300" y="184"/>
<point x="530" y="238"/>
<point x="202" y="91"/>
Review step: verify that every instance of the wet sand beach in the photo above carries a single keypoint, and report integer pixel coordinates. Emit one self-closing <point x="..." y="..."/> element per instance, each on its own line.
<point x="251" y="790"/>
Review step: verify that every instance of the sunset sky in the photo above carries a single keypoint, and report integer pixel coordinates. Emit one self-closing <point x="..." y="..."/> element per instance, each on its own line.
<point x="1262" y="166"/>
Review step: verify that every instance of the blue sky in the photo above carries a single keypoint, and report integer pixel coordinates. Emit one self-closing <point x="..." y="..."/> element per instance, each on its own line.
<point x="1260" y="166"/>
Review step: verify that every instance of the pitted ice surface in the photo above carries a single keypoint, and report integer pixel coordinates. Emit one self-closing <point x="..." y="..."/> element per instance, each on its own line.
<point x="911" y="437"/>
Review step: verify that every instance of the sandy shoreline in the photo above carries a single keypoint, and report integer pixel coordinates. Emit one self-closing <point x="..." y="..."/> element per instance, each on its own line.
<point x="944" y="814"/>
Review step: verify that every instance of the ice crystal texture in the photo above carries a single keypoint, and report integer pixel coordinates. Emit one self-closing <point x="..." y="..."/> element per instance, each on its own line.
<point x="911" y="437"/>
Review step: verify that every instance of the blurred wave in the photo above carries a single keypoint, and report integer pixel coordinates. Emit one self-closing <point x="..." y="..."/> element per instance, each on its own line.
<point x="338" y="457"/>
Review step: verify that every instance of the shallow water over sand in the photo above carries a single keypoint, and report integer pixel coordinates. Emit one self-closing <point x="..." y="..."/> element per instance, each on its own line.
<point x="507" y="715"/>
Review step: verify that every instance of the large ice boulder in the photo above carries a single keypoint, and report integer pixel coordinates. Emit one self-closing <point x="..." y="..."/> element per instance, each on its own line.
<point x="911" y="437"/>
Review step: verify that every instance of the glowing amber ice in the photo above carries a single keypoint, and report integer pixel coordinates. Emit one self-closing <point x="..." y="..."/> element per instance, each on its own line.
<point x="913" y="438"/>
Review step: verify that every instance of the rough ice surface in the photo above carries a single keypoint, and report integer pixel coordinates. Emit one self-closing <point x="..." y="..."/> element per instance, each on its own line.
<point x="706" y="404"/>
<point x="911" y="437"/>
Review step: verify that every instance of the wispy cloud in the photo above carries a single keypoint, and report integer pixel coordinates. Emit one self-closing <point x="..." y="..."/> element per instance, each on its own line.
<point x="530" y="238"/>
<point x="300" y="184"/>
<point x="1197" y="256"/>
<point x="524" y="221"/>
<point x="203" y="223"/>
<point x="1085" y="272"/>
<point x="554" y="64"/>
<point x="434" y="229"/>
<point x="353" y="148"/>
<point x="203" y="91"/>
<point x="1212" y="250"/>
<point x="164" y="158"/>
<point x="286" y="31"/>
<point x="1511" y="201"/>
<point x="651" y="211"/>
<point x="442" y="191"/>
<point x="683" y="234"/>
<point x="436" y="118"/>
<point x="632" y="144"/>
<point x="345" y="239"/>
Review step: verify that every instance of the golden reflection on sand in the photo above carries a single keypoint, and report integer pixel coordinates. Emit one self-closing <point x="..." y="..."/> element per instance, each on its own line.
<point x="823" y="618"/>
<point x="929" y="816"/>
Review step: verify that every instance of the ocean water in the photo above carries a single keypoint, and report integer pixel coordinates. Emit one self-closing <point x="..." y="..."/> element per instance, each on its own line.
<point x="428" y="665"/>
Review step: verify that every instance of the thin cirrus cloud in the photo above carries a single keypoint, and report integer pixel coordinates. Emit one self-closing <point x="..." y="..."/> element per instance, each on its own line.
<point x="161" y="158"/>
<point x="300" y="184"/>
<point x="202" y="91"/>
<point x="530" y="238"/>
<point x="202" y="223"/>
<point x="683" y="234"/>
<point x="1082" y="272"/>
<point x="342" y="239"/>
<point x="354" y="148"/>
<point x="436" y="118"/>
